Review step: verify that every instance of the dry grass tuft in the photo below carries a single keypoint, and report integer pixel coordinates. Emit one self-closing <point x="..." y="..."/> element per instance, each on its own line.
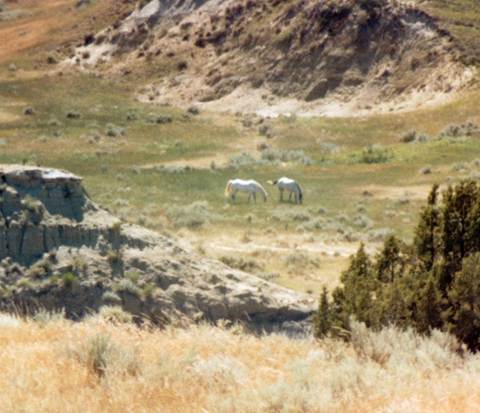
<point x="97" y="366"/>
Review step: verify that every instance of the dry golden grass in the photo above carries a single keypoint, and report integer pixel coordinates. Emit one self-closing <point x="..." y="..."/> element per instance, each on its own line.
<point x="95" y="366"/>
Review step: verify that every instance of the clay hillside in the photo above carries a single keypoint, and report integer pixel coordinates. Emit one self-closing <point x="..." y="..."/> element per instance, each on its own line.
<point x="59" y="250"/>
<point x="329" y="57"/>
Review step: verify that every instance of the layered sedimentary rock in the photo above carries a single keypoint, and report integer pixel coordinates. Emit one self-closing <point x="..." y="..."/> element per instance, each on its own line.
<point x="59" y="250"/>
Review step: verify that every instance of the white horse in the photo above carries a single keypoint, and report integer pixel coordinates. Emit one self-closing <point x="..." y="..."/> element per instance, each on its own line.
<point x="287" y="184"/>
<point x="250" y="186"/>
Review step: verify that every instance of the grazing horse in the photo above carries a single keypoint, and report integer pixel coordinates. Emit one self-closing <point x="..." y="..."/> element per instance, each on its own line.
<point x="250" y="186"/>
<point x="287" y="184"/>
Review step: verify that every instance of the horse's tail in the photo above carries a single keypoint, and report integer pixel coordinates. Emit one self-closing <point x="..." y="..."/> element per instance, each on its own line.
<point x="228" y="188"/>
<point x="300" y="193"/>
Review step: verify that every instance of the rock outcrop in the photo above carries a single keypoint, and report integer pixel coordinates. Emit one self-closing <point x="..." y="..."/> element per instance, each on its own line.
<point x="59" y="250"/>
<point x="325" y="57"/>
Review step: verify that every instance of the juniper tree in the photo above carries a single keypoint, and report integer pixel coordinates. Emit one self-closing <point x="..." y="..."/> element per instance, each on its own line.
<point x="390" y="262"/>
<point x="323" y="322"/>
<point x="428" y="305"/>
<point x="464" y="296"/>
<point x="358" y="286"/>
<point x="456" y="226"/>
<point x="393" y="308"/>
<point x="426" y="241"/>
<point x="473" y="235"/>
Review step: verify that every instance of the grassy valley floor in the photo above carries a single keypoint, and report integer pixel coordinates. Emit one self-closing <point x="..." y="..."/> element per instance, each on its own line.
<point x="167" y="168"/>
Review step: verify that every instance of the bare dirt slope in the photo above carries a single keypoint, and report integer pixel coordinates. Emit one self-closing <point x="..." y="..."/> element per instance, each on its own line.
<point x="53" y="27"/>
<point x="333" y="58"/>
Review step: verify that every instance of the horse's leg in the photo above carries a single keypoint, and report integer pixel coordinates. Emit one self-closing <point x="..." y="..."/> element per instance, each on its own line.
<point x="281" y="195"/>
<point x="290" y="196"/>
<point x="249" y="196"/>
<point x="255" y="197"/>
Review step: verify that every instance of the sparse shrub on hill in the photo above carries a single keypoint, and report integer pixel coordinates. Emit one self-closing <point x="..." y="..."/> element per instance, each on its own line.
<point x="115" y="314"/>
<point x="295" y="156"/>
<point x="43" y="317"/>
<point x="32" y="211"/>
<point x="413" y="137"/>
<point x="373" y="154"/>
<point x="456" y="131"/>
<point x="243" y="264"/>
<point x="190" y="216"/>
<point x="82" y="3"/>
<point x="379" y="234"/>
<point x="73" y="115"/>
<point x="114" y="131"/>
<point x="243" y="159"/>
<point x="69" y="279"/>
<point x="128" y="286"/>
<point x="432" y="284"/>
<point x="111" y="297"/>
<point x="193" y="110"/>
<point x="271" y="156"/>
<point x="161" y="119"/>
<point x="409" y="136"/>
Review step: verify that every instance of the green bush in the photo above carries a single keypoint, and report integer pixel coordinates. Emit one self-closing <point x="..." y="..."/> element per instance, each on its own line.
<point x="373" y="154"/>
<point x="130" y="287"/>
<point x="114" y="257"/>
<point x="69" y="279"/>
<point x="115" y="314"/>
<point x="148" y="290"/>
<point x="111" y="297"/>
<point x="43" y="317"/>
<point x="133" y="276"/>
<point x="32" y="211"/>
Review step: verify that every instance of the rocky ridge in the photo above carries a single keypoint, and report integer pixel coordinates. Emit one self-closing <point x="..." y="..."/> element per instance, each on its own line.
<point x="59" y="250"/>
<point x="332" y="56"/>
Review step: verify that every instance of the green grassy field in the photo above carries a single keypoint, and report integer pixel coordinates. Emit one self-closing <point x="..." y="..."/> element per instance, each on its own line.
<point x="346" y="199"/>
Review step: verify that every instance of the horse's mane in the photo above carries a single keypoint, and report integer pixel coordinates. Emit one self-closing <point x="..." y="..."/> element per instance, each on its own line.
<point x="265" y="193"/>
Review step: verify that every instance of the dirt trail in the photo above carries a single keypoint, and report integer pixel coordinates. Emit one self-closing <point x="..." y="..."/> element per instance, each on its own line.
<point x="7" y="117"/>
<point x="412" y="192"/>
<point x="321" y="248"/>
<point x="276" y="244"/>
